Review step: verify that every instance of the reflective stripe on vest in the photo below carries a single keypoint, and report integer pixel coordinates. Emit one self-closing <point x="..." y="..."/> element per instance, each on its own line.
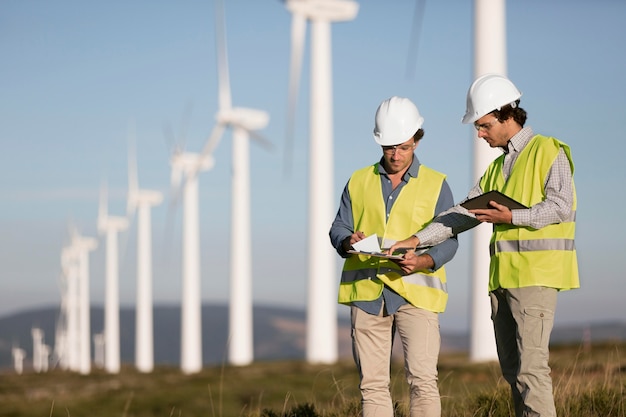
<point x="530" y="245"/>
<point x="364" y="277"/>
<point x="523" y="256"/>
<point x="416" y="278"/>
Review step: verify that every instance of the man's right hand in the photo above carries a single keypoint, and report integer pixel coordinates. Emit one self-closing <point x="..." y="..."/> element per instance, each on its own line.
<point x="352" y="239"/>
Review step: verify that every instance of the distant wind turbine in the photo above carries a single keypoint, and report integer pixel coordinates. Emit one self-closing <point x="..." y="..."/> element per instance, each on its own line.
<point x="322" y="301"/>
<point x="141" y="201"/>
<point x="69" y="350"/>
<point x="18" y="359"/>
<point x="244" y="122"/>
<point x="111" y="226"/>
<point x="37" y="335"/>
<point x="83" y="245"/>
<point x="185" y="169"/>
<point x="60" y="330"/>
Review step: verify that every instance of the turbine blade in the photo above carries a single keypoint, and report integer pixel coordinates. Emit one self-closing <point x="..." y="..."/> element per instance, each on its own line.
<point x="176" y="180"/>
<point x="133" y="180"/>
<point x="261" y="140"/>
<point x="298" y="35"/>
<point x="416" y="30"/>
<point x="225" y="101"/>
<point x="170" y="139"/>
<point x="102" y="206"/>
<point x="211" y="143"/>
<point x="184" y="124"/>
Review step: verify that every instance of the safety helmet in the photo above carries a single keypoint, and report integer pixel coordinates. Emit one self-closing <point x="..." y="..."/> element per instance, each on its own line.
<point x="397" y="120"/>
<point x="488" y="93"/>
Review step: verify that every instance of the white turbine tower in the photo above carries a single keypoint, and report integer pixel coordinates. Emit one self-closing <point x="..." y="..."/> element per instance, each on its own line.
<point x="185" y="169"/>
<point x="83" y="245"/>
<point x="37" y="335"/>
<point x="244" y="122"/>
<point x="321" y="304"/>
<point x="70" y="350"/>
<point x="18" y="359"/>
<point x="489" y="56"/>
<point x="60" y="331"/>
<point x="142" y="201"/>
<point x="110" y="227"/>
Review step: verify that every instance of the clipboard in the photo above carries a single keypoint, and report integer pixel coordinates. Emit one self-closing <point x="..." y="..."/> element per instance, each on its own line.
<point x="376" y="254"/>
<point x="482" y="201"/>
<point x="398" y="255"/>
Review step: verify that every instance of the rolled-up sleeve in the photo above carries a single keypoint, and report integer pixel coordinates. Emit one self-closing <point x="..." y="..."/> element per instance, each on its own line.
<point x="343" y="225"/>
<point x="444" y="251"/>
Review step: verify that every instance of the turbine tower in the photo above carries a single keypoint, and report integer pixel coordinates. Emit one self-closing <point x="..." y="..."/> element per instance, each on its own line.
<point x="489" y="57"/>
<point x="83" y="245"/>
<point x="110" y="226"/>
<point x="141" y="201"/>
<point x="37" y="335"/>
<point x="185" y="169"/>
<point x="70" y="352"/>
<point x="60" y="331"/>
<point x="321" y="304"/>
<point x="18" y="359"/>
<point x="244" y="122"/>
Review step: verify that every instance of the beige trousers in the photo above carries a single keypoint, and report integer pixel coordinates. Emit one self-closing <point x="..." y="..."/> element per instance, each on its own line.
<point x="523" y="319"/>
<point x="372" y="338"/>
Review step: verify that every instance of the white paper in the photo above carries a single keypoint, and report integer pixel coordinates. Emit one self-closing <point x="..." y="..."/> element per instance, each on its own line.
<point x="369" y="244"/>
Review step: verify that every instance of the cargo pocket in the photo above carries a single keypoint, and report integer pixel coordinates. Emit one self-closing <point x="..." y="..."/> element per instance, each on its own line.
<point x="538" y="324"/>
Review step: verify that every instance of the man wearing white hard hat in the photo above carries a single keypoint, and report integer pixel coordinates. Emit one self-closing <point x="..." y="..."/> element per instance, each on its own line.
<point x="387" y="201"/>
<point x="532" y="250"/>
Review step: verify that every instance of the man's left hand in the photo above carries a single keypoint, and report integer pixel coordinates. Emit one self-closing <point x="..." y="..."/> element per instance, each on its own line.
<point x="411" y="262"/>
<point x="497" y="215"/>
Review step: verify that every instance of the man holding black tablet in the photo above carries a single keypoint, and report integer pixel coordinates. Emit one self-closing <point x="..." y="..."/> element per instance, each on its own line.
<point x="532" y="249"/>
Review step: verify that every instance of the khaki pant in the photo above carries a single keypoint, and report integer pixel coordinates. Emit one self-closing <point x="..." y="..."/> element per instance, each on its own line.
<point x="523" y="320"/>
<point x="372" y="338"/>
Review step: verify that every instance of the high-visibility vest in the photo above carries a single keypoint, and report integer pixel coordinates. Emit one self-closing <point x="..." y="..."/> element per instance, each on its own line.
<point x="363" y="277"/>
<point x="522" y="256"/>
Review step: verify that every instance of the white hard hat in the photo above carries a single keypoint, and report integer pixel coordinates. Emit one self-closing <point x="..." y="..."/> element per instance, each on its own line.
<point x="397" y="120"/>
<point x="488" y="93"/>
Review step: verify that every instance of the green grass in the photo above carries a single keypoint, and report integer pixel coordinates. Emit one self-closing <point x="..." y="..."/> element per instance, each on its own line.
<point x="586" y="382"/>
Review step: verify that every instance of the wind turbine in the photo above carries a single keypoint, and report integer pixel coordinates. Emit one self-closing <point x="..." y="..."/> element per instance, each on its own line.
<point x="69" y="354"/>
<point x="244" y="122"/>
<point x="489" y="57"/>
<point x="110" y="226"/>
<point x="321" y="303"/>
<point x="83" y="245"/>
<point x="185" y="169"/>
<point x="37" y="335"/>
<point x="60" y="331"/>
<point x="142" y="201"/>
<point x="18" y="359"/>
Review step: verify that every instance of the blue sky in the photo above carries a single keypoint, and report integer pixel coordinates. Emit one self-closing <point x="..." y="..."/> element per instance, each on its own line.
<point x="75" y="74"/>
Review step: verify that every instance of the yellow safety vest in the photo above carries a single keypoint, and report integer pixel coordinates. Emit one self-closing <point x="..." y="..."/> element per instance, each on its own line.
<point x="524" y="256"/>
<point x="363" y="277"/>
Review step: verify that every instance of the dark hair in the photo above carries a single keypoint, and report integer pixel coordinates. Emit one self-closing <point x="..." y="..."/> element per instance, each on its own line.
<point x="506" y="112"/>
<point x="418" y="135"/>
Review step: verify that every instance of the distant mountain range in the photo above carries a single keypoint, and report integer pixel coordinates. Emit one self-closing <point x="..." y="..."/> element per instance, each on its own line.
<point x="279" y="333"/>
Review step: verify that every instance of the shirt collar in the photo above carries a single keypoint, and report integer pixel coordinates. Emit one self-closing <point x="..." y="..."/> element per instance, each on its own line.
<point x="519" y="140"/>
<point x="410" y="173"/>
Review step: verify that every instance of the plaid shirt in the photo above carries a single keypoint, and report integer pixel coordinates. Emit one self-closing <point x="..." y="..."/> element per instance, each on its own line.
<point x="555" y="208"/>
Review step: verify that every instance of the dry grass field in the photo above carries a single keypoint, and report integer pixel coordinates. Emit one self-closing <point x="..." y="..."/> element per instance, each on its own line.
<point x="588" y="381"/>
